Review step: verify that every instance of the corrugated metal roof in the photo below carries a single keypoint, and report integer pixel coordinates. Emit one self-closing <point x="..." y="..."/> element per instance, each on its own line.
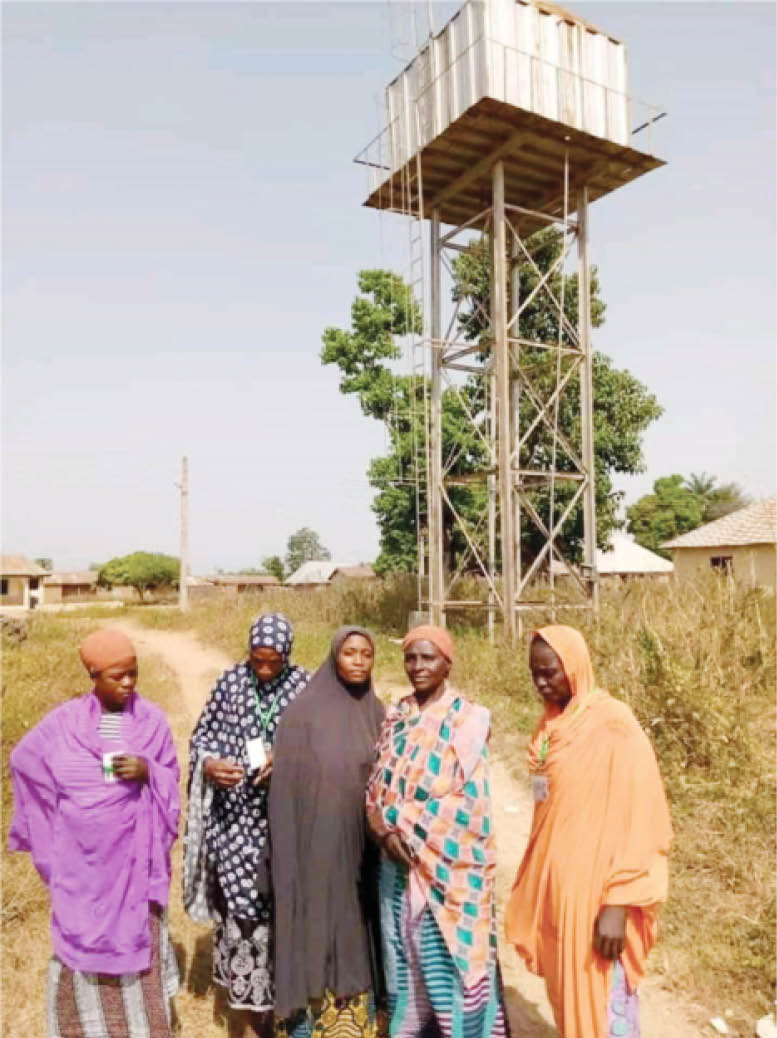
<point x="317" y="571"/>
<point x="20" y="566"/>
<point x="753" y="524"/>
<point x="356" y="572"/>
<point x="626" y="556"/>
<point x="71" y="579"/>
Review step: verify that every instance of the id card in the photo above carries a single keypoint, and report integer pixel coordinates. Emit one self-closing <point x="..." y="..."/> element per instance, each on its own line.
<point x="257" y="754"/>
<point x="540" y="787"/>
<point x="108" y="773"/>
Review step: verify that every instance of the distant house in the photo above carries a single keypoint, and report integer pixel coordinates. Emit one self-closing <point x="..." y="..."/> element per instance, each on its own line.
<point x="322" y="573"/>
<point x="242" y="582"/>
<point x="353" y="573"/>
<point x="69" y="587"/>
<point x="21" y="582"/>
<point x="743" y="543"/>
<point x="230" y="584"/>
<point x="626" y="560"/>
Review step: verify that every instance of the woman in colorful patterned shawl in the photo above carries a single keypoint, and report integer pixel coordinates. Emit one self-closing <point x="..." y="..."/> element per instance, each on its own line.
<point x="428" y="803"/>
<point x="96" y="806"/>
<point x="226" y="870"/>
<point x="582" y="913"/>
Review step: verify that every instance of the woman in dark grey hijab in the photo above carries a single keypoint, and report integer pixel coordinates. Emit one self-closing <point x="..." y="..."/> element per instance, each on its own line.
<point x="327" y="963"/>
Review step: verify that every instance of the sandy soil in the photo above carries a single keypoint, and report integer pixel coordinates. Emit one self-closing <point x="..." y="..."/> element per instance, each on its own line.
<point x="196" y="667"/>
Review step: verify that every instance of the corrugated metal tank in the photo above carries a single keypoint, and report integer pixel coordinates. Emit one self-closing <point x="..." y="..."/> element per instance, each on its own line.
<point x="532" y="55"/>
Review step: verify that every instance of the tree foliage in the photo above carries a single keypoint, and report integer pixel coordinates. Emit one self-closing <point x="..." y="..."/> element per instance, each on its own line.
<point x="672" y="509"/>
<point x="385" y="310"/>
<point x="304" y="546"/>
<point x="678" y="505"/>
<point x="274" y="564"/>
<point x="44" y="562"/>
<point x="143" y="570"/>
<point x="719" y="499"/>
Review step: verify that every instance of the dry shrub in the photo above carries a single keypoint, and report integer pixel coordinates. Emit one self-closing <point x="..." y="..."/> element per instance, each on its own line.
<point x="383" y="604"/>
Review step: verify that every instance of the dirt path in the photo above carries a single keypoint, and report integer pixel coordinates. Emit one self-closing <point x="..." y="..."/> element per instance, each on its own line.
<point x="195" y="668"/>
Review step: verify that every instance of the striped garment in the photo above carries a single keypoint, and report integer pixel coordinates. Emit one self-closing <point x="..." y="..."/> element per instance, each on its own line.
<point x="110" y="725"/>
<point x="96" y="1005"/>
<point x="430" y="786"/>
<point x="425" y="987"/>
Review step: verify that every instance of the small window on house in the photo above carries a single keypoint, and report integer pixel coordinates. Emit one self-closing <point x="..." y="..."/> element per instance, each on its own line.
<point x="3" y="586"/>
<point x="722" y="563"/>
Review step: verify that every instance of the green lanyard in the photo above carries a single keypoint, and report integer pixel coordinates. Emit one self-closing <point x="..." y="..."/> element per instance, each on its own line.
<point x="272" y="710"/>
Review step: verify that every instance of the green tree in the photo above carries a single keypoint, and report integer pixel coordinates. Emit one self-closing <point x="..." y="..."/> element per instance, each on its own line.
<point x="386" y="310"/>
<point x="274" y="564"/>
<point x="143" y="570"/>
<point x="304" y="546"/>
<point x="44" y="563"/>
<point x="623" y="406"/>
<point x="718" y="499"/>
<point x="672" y="509"/>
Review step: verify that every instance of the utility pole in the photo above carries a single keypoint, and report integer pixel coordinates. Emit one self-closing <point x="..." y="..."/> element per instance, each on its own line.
<point x="183" y="579"/>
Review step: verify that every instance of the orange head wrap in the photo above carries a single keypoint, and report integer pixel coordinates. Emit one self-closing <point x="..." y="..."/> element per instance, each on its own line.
<point x="106" y="648"/>
<point x="570" y="647"/>
<point x="436" y="635"/>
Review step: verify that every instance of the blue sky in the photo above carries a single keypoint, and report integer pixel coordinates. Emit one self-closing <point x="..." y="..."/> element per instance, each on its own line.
<point x="182" y="219"/>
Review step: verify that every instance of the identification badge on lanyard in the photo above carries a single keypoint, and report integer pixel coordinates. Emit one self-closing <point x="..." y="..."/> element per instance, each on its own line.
<point x="257" y="754"/>
<point x="540" y="788"/>
<point x="109" y="775"/>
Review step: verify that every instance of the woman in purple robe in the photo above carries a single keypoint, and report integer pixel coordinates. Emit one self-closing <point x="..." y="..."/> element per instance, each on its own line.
<point x="96" y="805"/>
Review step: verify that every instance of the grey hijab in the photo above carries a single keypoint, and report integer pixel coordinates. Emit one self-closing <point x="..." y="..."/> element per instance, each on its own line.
<point x="324" y="867"/>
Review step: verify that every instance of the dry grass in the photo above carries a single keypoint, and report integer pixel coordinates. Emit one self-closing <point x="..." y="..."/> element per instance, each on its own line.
<point x="695" y="662"/>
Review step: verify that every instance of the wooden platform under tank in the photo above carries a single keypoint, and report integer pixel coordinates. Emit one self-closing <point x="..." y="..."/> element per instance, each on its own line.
<point x="456" y="165"/>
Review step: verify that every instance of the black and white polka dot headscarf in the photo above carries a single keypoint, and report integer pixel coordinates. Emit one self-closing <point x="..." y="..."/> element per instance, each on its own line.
<point x="272" y="631"/>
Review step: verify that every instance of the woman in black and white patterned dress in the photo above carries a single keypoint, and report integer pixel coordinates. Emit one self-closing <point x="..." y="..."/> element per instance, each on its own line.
<point x="226" y="874"/>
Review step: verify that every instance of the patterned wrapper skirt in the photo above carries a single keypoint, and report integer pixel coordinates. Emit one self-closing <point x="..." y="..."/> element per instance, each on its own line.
<point x="425" y="991"/>
<point x="242" y="962"/>
<point x="134" y="1005"/>
<point x="333" y="1017"/>
<point x="623" y="1008"/>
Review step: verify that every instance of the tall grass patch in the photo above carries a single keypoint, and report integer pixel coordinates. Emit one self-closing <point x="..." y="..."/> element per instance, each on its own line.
<point x="696" y="662"/>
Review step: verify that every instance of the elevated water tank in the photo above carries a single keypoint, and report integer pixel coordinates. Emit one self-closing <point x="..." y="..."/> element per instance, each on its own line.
<point x="524" y="79"/>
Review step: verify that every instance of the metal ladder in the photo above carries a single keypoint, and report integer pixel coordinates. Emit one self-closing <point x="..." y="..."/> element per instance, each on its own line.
<point x="418" y="352"/>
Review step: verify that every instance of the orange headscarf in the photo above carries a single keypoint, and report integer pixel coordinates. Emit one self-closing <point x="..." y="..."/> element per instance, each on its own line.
<point x="105" y="648"/>
<point x="600" y="837"/>
<point x="438" y="636"/>
<point x="570" y="647"/>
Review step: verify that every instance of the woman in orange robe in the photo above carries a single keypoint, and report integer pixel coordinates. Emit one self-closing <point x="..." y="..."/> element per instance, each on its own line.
<point x="582" y="912"/>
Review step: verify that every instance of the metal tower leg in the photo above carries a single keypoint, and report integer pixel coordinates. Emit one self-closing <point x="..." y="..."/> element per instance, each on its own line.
<point x="586" y="398"/>
<point x="501" y="347"/>
<point x="434" y="504"/>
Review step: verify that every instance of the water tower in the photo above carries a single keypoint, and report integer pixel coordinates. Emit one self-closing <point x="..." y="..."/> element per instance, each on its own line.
<point x="513" y="118"/>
